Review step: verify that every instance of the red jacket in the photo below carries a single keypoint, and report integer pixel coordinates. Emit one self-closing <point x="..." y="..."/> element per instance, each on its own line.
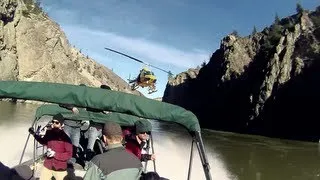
<point x="59" y="142"/>
<point x="133" y="146"/>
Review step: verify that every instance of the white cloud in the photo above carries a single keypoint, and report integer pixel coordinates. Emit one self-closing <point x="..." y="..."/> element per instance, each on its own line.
<point x="139" y="47"/>
<point x="92" y="36"/>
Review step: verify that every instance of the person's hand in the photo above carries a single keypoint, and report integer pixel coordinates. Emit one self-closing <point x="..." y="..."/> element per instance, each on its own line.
<point x="50" y="153"/>
<point x="75" y="110"/>
<point x="106" y="112"/>
<point x="43" y="131"/>
<point x="138" y="139"/>
<point x="153" y="157"/>
<point x="31" y="130"/>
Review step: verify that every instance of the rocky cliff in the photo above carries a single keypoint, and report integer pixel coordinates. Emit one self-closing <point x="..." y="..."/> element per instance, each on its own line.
<point x="34" y="48"/>
<point x="265" y="83"/>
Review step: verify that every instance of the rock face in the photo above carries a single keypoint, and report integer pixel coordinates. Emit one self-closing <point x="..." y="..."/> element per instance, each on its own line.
<point x="264" y="84"/>
<point x="34" y="48"/>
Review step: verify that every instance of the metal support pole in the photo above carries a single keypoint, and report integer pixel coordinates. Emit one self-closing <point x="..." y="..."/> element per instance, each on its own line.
<point x="146" y="164"/>
<point x="34" y="153"/>
<point x="191" y="160"/>
<point x="154" y="161"/>
<point x="203" y="156"/>
<point x="25" y="145"/>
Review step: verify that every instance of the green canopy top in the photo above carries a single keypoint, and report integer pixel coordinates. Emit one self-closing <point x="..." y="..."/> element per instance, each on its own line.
<point x="123" y="104"/>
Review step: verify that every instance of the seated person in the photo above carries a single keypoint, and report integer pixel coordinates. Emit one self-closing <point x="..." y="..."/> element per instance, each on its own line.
<point x="136" y="141"/>
<point x="94" y="131"/>
<point x="92" y="134"/>
<point x="72" y="129"/>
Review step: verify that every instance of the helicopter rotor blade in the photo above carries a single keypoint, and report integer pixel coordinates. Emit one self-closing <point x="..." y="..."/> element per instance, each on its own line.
<point x="138" y="60"/>
<point x="160" y="69"/>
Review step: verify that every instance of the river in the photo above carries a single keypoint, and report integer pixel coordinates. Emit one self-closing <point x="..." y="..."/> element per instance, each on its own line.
<point x="231" y="156"/>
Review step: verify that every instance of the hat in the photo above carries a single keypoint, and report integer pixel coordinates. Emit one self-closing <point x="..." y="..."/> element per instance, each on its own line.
<point x="59" y="118"/>
<point x="143" y="125"/>
<point x="103" y="86"/>
<point x="152" y="175"/>
<point x="112" y="129"/>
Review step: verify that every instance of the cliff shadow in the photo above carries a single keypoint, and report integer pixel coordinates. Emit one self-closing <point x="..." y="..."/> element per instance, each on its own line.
<point x="292" y="112"/>
<point x="220" y="105"/>
<point x="228" y="103"/>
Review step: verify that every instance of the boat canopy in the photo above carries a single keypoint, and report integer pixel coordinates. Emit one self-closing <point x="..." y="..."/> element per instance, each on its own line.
<point x="125" y="105"/>
<point x="125" y="108"/>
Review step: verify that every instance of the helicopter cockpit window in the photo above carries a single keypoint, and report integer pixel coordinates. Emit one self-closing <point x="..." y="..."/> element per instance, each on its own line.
<point x="148" y="73"/>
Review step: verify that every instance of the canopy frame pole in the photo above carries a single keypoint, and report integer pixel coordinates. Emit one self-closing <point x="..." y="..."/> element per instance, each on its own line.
<point x="146" y="164"/>
<point x="152" y="147"/>
<point x="34" y="154"/>
<point x="203" y="157"/>
<point x="191" y="159"/>
<point x="35" y="147"/>
<point x="25" y="145"/>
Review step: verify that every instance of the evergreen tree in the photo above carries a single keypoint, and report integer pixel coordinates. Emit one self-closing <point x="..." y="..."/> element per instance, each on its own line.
<point x="299" y="8"/>
<point x="276" y="19"/>
<point x="170" y="75"/>
<point x="254" y="31"/>
<point x="235" y="33"/>
<point x="203" y="64"/>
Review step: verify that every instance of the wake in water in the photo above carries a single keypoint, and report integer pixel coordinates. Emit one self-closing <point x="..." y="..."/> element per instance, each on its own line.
<point x="173" y="149"/>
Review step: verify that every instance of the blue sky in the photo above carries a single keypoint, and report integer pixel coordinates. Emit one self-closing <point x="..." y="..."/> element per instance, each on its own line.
<point x="172" y="34"/>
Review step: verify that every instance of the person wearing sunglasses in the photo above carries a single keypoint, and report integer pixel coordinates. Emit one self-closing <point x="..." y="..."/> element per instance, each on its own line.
<point x="136" y="141"/>
<point x="59" y="149"/>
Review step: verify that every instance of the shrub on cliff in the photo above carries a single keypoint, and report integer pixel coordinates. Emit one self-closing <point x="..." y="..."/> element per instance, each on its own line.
<point x="315" y="17"/>
<point x="273" y="37"/>
<point x="33" y="6"/>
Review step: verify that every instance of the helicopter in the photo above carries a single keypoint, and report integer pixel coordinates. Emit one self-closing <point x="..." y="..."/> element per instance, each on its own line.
<point x="145" y="78"/>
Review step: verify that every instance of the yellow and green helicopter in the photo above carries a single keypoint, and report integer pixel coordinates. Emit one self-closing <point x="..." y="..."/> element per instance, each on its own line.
<point x="146" y="77"/>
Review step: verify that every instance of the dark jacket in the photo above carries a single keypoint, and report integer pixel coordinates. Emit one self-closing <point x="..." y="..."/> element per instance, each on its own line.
<point x="60" y="143"/>
<point x="115" y="163"/>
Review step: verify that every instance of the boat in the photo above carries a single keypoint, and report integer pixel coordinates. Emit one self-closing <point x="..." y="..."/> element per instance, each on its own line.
<point x="125" y="109"/>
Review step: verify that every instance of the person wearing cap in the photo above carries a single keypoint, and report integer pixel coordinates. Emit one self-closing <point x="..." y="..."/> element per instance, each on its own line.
<point x="137" y="141"/>
<point x="59" y="149"/>
<point x="116" y="163"/>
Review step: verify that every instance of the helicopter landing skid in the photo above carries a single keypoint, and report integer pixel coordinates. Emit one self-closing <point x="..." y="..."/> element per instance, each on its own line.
<point x="150" y="92"/>
<point x="134" y="87"/>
